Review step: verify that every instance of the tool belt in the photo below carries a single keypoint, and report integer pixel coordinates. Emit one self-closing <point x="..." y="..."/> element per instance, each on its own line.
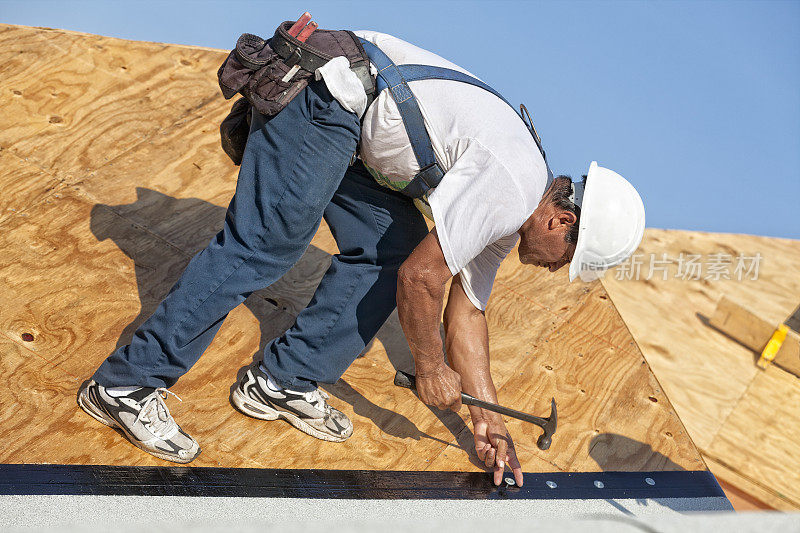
<point x="265" y="73"/>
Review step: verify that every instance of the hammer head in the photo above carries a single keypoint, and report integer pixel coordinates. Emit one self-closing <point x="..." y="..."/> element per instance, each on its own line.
<point x="549" y="427"/>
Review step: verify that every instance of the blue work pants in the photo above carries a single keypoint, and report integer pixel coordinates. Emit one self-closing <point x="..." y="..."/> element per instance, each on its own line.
<point x="295" y="170"/>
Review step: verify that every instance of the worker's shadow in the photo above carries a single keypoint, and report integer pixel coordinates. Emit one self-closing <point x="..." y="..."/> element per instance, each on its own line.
<point x="393" y="423"/>
<point x="193" y="223"/>
<point x="615" y="453"/>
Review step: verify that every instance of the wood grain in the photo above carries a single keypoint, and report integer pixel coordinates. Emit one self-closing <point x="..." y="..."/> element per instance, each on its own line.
<point x="72" y="102"/>
<point x="613" y="414"/>
<point x="22" y="184"/>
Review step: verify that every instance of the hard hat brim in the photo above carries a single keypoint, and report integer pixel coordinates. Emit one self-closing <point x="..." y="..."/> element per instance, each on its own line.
<point x="576" y="265"/>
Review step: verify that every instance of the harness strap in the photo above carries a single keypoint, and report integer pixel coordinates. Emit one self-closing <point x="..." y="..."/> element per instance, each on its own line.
<point x="395" y="78"/>
<point x="390" y="77"/>
<point x="428" y="72"/>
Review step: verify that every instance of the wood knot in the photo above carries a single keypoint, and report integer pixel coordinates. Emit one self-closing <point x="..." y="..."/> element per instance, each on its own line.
<point x="27" y="337"/>
<point x="55" y="119"/>
<point x="186" y="62"/>
<point x="653" y="399"/>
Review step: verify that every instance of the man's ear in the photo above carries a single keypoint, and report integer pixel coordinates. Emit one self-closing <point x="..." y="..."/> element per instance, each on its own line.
<point x="562" y="218"/>
<point x="567" y="218"/>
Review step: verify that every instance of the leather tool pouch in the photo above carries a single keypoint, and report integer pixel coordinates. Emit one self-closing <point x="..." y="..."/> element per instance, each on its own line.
<point x="234" y="129"/>
<point x="257" y="68"/>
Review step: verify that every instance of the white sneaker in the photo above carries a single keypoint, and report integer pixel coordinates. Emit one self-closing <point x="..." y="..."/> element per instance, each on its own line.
<point x="143" y="418"/>
<point x="307" y="411"/>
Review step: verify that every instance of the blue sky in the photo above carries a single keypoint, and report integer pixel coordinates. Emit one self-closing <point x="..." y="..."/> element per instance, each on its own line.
<point x="696" y="103"/>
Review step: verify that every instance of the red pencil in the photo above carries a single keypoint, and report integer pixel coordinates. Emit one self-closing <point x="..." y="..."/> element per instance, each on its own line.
<point x="307" y="31"/>
<point x="300" y="24"/>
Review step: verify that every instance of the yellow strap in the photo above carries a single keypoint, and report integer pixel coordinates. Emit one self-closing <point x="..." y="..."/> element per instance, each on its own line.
<point x="772" y="347"/>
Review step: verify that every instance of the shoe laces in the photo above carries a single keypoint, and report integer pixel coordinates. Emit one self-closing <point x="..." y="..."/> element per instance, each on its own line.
<point x="317" y="398"/>
<point x="154" y="413"/>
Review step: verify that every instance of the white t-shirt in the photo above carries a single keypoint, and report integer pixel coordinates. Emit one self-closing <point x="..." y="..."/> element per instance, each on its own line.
<point x="495" y="174"/>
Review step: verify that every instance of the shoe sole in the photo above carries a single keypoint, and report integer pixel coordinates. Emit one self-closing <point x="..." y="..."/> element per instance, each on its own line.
<point x="92" y="410"/>
<point x="265" y="412"/>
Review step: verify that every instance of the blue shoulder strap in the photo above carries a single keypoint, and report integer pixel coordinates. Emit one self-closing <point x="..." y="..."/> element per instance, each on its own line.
<point x="396" y="78"/>
<point x="389" y="76"/>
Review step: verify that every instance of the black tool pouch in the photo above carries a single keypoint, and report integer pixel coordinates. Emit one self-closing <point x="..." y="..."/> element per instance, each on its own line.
<point x="234" y="129"/>
<point x="256" y="71"/>
<point x="257" y="68"/>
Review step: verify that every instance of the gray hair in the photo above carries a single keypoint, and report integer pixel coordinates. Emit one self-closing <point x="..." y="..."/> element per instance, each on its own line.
<point x="558" y="194"/>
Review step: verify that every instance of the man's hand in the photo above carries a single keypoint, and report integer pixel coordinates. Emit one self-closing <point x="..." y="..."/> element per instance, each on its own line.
<point x="495" y="447"/>
<point x="440" y="387"/>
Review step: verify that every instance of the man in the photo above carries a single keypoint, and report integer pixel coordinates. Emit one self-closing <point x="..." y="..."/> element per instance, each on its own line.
<point x="296" y="170"/>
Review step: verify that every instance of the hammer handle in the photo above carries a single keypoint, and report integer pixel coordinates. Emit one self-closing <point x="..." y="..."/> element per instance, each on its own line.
<point x="403" y="379"/>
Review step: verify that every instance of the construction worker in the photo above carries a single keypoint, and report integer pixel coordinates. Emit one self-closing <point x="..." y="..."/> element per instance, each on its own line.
<point x="496" y="192"/>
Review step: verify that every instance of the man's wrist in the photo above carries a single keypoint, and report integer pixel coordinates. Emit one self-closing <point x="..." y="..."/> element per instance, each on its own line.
<point x="478" y="414"/>
<point x="429" y="365"/>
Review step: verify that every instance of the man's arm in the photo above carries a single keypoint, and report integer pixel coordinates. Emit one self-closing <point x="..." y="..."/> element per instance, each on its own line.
<point x="421" y="284"/>
<point x="467" y="340"/>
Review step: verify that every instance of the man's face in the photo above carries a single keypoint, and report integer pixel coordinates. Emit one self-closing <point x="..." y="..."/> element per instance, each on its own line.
<point x="542" y="239"/>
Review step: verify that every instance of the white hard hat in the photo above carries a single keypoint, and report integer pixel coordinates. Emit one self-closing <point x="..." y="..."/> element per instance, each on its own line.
<point x="611" y="223"/>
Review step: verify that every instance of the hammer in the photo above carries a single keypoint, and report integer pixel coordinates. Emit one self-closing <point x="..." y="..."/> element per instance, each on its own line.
<point x="402" y="379"/>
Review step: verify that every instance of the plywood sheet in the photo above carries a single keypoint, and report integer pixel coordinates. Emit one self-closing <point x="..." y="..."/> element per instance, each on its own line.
<point x="88" y="288"/>
<point x="761" y="437"/>
<point x="704" y="372"/>
<point x="71" y="102"/>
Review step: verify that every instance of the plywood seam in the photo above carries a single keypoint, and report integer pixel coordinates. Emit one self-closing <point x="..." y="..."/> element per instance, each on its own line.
<point x="755" y="482"/>
<point x="184" y="253"/>
<point x="135" y="224"/>
<point x="730" y="412"/>
<point x="146" y="229"/>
